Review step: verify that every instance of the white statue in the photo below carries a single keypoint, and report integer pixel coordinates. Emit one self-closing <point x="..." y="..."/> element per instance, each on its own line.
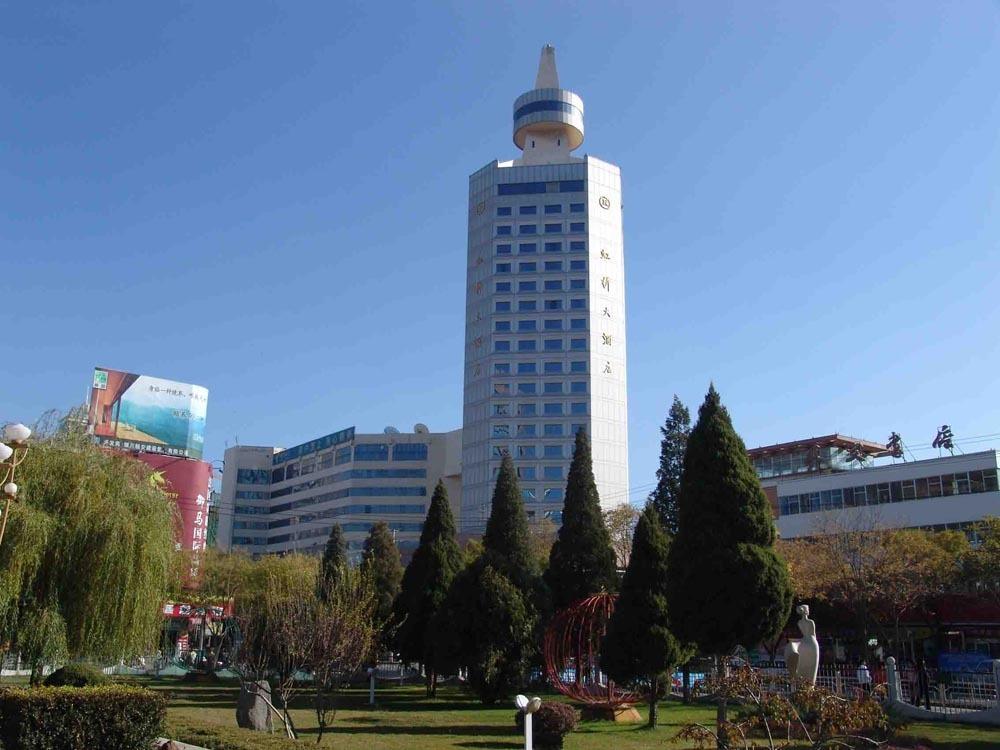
<point x="802" y="656"/>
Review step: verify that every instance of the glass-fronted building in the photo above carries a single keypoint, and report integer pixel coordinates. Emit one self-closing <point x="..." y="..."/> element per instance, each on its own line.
<point x="545" y="311"/>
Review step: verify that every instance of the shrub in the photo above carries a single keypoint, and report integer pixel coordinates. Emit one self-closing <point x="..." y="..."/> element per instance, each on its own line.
<point x="550" y="724"/>
<point x="64" y="718"/>
<point x="77" y="675"/>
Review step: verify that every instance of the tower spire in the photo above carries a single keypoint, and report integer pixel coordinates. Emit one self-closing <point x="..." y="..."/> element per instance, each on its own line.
<point x="548" y="76"/>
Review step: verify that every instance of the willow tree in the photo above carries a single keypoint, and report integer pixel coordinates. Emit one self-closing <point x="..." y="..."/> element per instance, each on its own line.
<point x="87" y="553"/>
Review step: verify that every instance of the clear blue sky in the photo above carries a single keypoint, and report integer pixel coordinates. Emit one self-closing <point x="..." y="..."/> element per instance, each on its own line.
<point x="270" y="200"/>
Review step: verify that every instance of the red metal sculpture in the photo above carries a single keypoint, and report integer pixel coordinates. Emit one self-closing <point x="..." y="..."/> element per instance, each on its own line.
<point x="572" y="651"/>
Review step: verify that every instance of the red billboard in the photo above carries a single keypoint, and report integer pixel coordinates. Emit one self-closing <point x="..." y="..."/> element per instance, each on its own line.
<point x="188" y="483"/>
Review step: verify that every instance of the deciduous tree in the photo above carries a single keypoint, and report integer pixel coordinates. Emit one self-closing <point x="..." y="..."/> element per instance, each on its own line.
<point x="621" y="521"/>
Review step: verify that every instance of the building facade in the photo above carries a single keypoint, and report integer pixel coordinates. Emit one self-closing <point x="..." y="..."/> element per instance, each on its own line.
<point x="545" y="311"/>
<point x="277" y="500"/>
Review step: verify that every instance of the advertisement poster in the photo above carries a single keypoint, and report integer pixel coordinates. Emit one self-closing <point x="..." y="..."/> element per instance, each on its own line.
<point x="143" y="413"/>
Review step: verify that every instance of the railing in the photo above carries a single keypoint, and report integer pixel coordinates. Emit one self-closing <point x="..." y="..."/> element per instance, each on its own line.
<point x="971" y="694"/>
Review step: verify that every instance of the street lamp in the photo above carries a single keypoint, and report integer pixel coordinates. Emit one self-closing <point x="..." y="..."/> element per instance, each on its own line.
<point x="528" y="707"/>
<point x="12" y="453"/>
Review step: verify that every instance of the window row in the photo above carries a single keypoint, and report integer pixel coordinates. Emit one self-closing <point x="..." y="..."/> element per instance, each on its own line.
<point x="531" y="451"/>
<point x="556" y="227"/>
<point x="531" y="287"/>
<point x="549" y="409"/>
<point x="548" y="495"/>
<point x="548" y="345"/>
<point x="549" y="266"/>
<point x="962" y="483"/>
<point x="252" y="494"/>
<point x="531" y="324"/>
<point x="351" y="492"/>
<point x="531" y="305"/>
<point x="343" y="476"/>
<point x="533" y="188"/>
<point x="253" y="476"/>
<point x="532" y="210"/>
<point x="350" y="510"/>
<point x="548" y="368"/>
<point x="531" y="430"/>
<point x="531" y="473"/>
<point x="531" y="248"/>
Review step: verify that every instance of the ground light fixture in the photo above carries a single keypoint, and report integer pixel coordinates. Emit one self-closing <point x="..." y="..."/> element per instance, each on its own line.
<point x="528" y="706"/>
<point x="13" y="449"/>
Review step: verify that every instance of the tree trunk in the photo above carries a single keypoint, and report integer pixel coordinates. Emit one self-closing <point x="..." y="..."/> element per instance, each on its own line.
<point x="654" y="688"/>
<point x="686" y="687"/>
<point x="431" y="683"/>
<point x="720" y="712"/>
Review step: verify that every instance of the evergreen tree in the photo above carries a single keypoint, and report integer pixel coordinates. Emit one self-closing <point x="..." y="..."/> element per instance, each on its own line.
<point x="727" y="586"/>
<point x="506" y="543"/>
<point x="334" y="561"/>
<point x="639" y="646"/>
<point x="381" y="561"/>
<point x="675" y="432"/>
<point x="582" y="561"/>
<point x="425" y="585"/>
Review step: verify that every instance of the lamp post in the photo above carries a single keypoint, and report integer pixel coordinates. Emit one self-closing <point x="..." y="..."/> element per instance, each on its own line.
<point x="528" y="707"/>
<point x="13" y="449"/>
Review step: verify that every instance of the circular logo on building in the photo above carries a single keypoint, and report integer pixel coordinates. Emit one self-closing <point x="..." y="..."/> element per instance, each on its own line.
<point x="605" y="202"/>
<point x="480" y="207"/>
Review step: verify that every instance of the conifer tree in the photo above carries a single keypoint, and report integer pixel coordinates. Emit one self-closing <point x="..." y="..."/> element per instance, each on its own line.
<point x="582" y="561"/>
<point x="727" y="586"/>
<point x="381" y="561"/>
<point x="506" y="543"/>
<point x="334" y="561"/>
<point x="639" y="646"/>
<point x="425" y="584"/>
<point x="674" y="436"/>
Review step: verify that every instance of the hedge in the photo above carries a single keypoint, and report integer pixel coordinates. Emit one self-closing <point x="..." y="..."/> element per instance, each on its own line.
<point x="69" y="718"/>
<point x="77" y="675"/>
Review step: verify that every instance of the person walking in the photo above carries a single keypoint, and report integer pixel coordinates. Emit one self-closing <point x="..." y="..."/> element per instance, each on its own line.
<point x="923" y="684"/>
<point x="864" y="677"/>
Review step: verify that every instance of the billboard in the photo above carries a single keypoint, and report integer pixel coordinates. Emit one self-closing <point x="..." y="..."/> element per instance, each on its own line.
<point x="142" y="413"/>
<point x="189" y="485"/>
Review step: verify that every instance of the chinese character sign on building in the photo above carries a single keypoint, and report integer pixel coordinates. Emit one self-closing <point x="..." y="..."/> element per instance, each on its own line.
<point x="143" y="413"/>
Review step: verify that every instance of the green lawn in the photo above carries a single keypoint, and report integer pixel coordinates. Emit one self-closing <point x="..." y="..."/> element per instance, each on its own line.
<point x="205" y="714"/>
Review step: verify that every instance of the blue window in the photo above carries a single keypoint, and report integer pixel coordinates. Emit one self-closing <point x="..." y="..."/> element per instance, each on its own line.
<point x="522" y="188"/>
<point x="578" y="366"/>
<point x="254" y="494"/>
<point x="553" y="208"/>
<point x="578" y="265"/>
<point x="553" y="285"/>
<point x="578" y="344"/>
<point x="525" y="451"/>
<point x="546" y="105"/>
<point x="503" y="306"/>
<point x="577" y="428"/>
<point x="577" y="226"/>
<point x="501" y="368"/>
<point x="503" y="210"/>
<point x="553" y="325"/>
<point x="526" y="410"/>
<point x="501" y="346"/>
<point x="528" y="495"/>
<point x="503" y="287"/>
<point x="343" y="456"/>
<point x="503" y="230"/>
<point x="527" y="345"/>
<point x="553" y="304"/>
<point x="527" y="389"/>
<point x="526" y="305"/>
<point x="253" y="476"/>
<point x="503" y="268"/>
<point x="576" y="208"/>
<point x="527" y="267"/>
<point x="553" y="451"/>
<point x="577" y="246"/>
<point x="552" y="472"/>
<point x="527" y="210"/>
<point x="553" y="430"/>
<point x="578" y="386"/>
<point x="571" y="186"/>
<point x="501" y="430"/>
<point x="553" y="265"/>
<point x="553" y="247"/>
<point x="527" y="325"/>
<point x="579" y="303"/>
<point x="528" y="229"/>
<point x="409" y="452"/>
<point x="527" y="248"/>
<point x="526" y="430"/>
<point x="553" y="367"/>
<point x="553" y="410"/>
<point x="553" y="228"/>
<point x="527" y="368"/>
<point x="527" y="286"/>
<point x="578" y="324"/>
<point x="578" y="407"/>
<point x="525" y="472"/>
<point x="553" y="345"/>
<point x="371" y="452"/>
<point x="501" y="325"/>
<point x="555" y="387"/>
<point x="551" y="496"/>
<point x="503" y="249"/>
<point x="577" y="283"/>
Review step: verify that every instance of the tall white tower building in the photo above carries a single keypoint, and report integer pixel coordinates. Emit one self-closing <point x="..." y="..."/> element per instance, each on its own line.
<point x="545" y="311"/>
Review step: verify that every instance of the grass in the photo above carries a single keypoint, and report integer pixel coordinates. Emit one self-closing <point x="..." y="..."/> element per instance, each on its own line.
<point x="204" y="714"/>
